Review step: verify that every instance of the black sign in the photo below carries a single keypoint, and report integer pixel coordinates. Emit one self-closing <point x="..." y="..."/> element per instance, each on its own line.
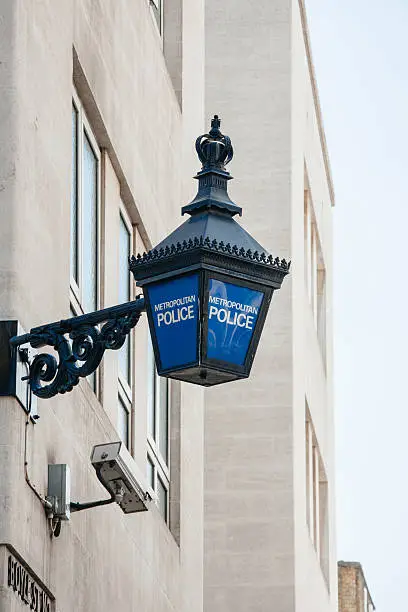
<point x="27" y="589"/>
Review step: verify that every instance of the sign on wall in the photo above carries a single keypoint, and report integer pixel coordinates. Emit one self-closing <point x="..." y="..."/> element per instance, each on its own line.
<point x="23" y="583"/>
<point x="174" y="308"/>
<point x="232" y="314"/>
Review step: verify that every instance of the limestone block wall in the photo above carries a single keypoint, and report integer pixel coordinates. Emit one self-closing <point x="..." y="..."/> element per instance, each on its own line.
<point x="258" y="550"/>
<point x="313" y="362"/>
<point x="112" y="54"/>
<point x="249" y="531"/>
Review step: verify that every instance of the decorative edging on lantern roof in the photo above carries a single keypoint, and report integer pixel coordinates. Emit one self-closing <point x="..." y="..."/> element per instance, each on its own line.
<point x="209" y="245"/>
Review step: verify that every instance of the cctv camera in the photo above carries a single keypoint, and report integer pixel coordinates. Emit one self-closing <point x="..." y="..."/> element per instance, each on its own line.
<point x="120" y="475"/>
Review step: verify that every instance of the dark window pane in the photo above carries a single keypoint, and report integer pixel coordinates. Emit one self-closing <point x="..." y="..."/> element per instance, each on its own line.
<point x="74" y="196"/>
<point x="157" y="10"/>
<point x="150" y="472"/>
<point x="89" y="230"/>
<point x="162" y="498"/>
<point x="123" y="422"/>
<point x="124" y="293"/>
<point x="124" y="252"/>
<point x="162" y="415"/>
<point x="151" y="370"/>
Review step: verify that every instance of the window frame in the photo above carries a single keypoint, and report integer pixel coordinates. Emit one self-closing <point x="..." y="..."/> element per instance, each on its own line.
<point x="84" y="128"/>
<point x="317" y="497"/>
<point x="315" y="274"/>
<point x="161" y="465"/>
<point x="127" y="405"/>
<point x="126" y="386"/>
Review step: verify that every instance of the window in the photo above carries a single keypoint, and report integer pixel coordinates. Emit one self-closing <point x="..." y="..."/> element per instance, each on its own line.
<point x="85" y="187"/>
<point x="315" y="272"/>
<point x="85" y="195"/>
<point x="124" y="354"/>
<point x="157" y="10"/>
<point x="123" y="420"/>
<point x="158" y="473"/>
<point x="316" y="497"/>
<point x="124" y="292"/>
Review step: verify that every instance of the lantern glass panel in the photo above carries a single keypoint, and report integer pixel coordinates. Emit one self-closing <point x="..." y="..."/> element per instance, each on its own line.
<point x="174" y="306"/>
<point x="233" y="311"/>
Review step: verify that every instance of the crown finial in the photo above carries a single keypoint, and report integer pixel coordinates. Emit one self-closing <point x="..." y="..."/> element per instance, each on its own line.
<point x="214" y="149"/>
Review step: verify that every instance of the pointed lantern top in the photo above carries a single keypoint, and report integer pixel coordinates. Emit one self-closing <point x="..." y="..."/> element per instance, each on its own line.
<point x="214" y="151"/>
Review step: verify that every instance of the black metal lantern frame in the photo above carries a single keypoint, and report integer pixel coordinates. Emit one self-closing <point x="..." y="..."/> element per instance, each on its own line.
<point x="214" y="246"/>
<point x="208" y="371"/>
<point x="211" y="261"/>
<point x="211" y="246"/>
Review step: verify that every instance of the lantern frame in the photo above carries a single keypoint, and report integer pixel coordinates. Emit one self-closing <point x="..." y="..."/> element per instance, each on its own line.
<point x="212" y="245"/>
<point x="204" y="370"/>
<point x="208" y="260"/>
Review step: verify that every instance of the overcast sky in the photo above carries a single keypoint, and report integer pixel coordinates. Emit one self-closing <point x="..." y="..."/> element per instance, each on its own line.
<point x="360" y="50"/>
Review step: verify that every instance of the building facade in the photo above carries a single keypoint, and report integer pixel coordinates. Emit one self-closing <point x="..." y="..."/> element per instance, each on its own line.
<point x="269" y="455"/>
<point x="354" y="594"/>
<point x="100" y="105"/>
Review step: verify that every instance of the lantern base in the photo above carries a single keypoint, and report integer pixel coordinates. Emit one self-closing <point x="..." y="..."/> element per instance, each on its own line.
<point x="204" y="376"/>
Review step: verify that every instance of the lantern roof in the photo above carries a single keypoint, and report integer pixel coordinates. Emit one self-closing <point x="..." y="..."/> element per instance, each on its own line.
<point x="213" y="226"/>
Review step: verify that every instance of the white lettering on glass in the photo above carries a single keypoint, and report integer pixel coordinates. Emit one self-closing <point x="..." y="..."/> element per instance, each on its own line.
<point x="233" y="305"/>
<point x="187" y="299"/>
<point x="227" y="316"/>
<point x="175" y="315"/>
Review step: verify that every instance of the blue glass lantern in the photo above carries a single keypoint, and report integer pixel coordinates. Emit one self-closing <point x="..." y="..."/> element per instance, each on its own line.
<point x="209" y="284"/>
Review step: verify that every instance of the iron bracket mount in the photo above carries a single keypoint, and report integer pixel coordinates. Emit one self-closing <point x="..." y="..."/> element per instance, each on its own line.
<point x="80" y="343"/>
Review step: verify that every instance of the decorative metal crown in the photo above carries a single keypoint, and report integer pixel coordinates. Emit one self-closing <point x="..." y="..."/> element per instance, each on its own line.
<point x="214" y="149"/>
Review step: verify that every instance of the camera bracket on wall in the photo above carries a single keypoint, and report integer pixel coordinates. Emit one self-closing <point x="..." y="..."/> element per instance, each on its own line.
<point x="115" y="469"/>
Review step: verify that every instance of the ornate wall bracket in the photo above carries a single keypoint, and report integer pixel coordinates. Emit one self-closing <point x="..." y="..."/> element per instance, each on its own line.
<point x="79" y="343"/>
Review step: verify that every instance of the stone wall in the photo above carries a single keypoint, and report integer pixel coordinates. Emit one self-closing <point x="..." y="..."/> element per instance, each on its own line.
<point x="112" y="54"/>
<point x="258" y="550"/>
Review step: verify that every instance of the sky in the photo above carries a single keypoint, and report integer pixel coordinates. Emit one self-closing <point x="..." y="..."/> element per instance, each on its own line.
<point x="360" y="51"/>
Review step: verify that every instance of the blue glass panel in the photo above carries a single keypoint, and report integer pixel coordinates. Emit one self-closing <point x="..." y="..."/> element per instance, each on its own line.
<point x="232" y="315"/>
<point x="174" y="307"/>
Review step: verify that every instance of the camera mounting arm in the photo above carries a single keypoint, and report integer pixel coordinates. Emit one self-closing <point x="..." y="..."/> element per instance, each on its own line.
<point x="115" y="496"/>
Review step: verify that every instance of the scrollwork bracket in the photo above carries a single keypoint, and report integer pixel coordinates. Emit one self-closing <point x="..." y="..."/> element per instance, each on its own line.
<point x="79" y="344"/>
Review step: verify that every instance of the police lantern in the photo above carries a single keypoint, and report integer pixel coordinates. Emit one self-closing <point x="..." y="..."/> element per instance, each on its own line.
<point x="209" y="284"/>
